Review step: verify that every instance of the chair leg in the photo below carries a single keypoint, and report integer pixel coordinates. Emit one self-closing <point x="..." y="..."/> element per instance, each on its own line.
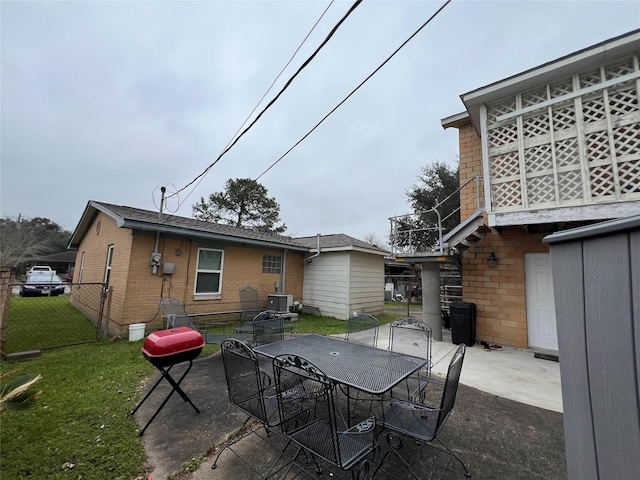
<point x="241" y="433"/>
<point x="301" y="469"/>
<point x="452" y="455"/>
<point x="395" y="445"/>
<point x="237" y="436"/>
<point x="395" y="442"/>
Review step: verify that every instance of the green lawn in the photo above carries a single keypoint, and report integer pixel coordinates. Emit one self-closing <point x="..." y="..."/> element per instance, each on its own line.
<point x="81" y="428"/>
<point x="36" y="323"/>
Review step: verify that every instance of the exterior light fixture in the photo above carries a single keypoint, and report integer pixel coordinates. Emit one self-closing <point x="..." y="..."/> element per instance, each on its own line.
<point x="492" y="260"/>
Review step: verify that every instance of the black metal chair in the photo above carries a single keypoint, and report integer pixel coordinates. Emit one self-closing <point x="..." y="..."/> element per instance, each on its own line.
<point x="176" y="316"/>
<point x="249" y="392"/>
<point x="363" y="328"/>
<point x="268" y="329"/>
<point x="249" y="327"/>
<point x="421" y="422"/>
<point x="310" y="417"/>
<point x="411" y="336"/>
<point x="249" y="304"/>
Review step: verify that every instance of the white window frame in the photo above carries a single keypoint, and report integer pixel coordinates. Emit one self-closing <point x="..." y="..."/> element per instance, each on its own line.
<point x="107" y="270"/>
<point x="208" y="295"/>
<point x="81" y="267"/>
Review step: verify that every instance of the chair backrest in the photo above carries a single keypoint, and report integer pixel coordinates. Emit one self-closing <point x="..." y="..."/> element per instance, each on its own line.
<point x="363" y="328"/>
<point x="175" y="313"/>
<point x="268" y="327"/>
<point x="306" y="400"/>
<point x="244" y="382"/>
<point x="451" y="386"/>
<point x="411" y="336"/>
<point x="249" y="303"/>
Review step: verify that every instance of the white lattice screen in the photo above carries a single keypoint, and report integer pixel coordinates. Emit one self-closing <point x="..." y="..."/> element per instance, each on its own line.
<point x="571" y="142"/>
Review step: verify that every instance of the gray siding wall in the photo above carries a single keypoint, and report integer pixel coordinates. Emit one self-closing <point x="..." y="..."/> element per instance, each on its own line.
<point x="366" y="285"/>
<point x="326" y="284"/>
<point x="597" y="288"/>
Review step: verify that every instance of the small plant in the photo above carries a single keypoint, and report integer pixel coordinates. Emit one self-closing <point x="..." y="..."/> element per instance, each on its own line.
<point x="17" y="393"/>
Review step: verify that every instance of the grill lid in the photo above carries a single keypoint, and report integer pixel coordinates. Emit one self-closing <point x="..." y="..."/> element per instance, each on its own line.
<point x="164" y="343"/>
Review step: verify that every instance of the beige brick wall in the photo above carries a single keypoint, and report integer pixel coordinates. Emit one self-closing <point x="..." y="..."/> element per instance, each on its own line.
<point x="470" y="167"/>
<point x="499" y="292"/>
<point x="102" y="233"/>
<point x="136" y="290"/>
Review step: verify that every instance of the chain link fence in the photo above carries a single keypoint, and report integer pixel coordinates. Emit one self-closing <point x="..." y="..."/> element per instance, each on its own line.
<point x="49" y="321"/>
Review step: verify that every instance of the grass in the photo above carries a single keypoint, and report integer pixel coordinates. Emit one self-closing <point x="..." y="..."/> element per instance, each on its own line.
<point x="45" y="322"/>
<point x="81" y="427"/>
<point x="412" y="306"/>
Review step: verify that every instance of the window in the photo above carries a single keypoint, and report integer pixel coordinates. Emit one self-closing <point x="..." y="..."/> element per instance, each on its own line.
<point x="209" y="273"/>
<point x="79" y="278"/>
<point x="271" y="264"/>
<point x="107" y="273"/>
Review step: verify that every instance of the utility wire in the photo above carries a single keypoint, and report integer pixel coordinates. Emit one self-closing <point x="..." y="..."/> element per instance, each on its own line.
<point x="355" y="89"/>
<point x="281" y="72"/>
<point x="302" y="67"/>
<point x="257" y="104"/>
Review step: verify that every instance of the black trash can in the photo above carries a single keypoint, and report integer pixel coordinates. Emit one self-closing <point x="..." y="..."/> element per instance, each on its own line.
<point x="463" y="323"/>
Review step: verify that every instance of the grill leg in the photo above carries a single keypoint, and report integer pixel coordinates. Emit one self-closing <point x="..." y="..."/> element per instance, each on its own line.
<point x="175" y="388"/>
<point x="176" y="385"/>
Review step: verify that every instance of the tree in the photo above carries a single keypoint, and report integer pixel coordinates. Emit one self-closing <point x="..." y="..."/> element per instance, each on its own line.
<point x="374" y="240"/>
<point x="244" y="203"/>
<point x="436" y="187"/>
<point x="23" y="239"/>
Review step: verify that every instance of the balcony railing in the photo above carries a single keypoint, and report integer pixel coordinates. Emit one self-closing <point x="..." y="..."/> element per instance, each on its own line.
<point x="408" y="231"/>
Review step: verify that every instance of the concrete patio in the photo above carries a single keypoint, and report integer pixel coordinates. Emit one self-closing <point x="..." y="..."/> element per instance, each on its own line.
<point x="506" y="422"/>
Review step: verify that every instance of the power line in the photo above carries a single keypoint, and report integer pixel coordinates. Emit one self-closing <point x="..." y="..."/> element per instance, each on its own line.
<point x="282" y="71"/>
<point x="286" y="86"/>
<point x="257" y="104"/>
<point x="357" y="88"/>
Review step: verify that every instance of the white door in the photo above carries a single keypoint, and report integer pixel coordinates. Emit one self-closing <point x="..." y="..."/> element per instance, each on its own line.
<point x="541" y="312"/>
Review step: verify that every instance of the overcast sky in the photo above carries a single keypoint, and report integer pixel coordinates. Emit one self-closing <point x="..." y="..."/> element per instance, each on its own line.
<point x="112" y="100"/>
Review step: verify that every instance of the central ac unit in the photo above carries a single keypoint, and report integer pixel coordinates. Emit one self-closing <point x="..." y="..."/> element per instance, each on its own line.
<point x="279" y="302"/>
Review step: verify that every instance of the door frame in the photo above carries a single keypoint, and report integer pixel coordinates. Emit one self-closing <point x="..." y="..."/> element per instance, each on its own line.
<point x="532" y="324"/>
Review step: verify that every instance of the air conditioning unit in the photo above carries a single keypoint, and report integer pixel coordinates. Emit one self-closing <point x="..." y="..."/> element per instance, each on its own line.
<point x="280" y="302"/>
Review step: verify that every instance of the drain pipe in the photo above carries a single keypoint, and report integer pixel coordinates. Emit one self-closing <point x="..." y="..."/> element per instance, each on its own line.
<point x="156" y="257"/>
<point x="283" y="271"/>
<point x="310" y="259"/>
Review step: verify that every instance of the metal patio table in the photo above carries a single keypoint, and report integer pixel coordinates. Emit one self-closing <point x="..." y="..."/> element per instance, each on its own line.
<point x="368" y="369"/>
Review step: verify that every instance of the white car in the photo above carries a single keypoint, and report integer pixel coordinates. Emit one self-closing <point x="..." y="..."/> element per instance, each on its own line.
<point x="40" y="269"/>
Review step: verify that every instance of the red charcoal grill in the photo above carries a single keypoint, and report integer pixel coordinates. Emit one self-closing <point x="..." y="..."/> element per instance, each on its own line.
<point x="164" y="349"/>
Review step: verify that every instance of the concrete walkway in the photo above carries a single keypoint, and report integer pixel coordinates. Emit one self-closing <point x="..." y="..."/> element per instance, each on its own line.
<point x="512" y="373"/>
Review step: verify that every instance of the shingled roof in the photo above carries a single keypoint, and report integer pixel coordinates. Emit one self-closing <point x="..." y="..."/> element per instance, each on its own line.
<point x="338" y="242"/>
<point x="146" y="220"/>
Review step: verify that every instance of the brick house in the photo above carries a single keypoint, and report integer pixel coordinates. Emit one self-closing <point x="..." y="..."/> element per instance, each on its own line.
<point x="209" y="263"/>
<point x="204" y="265"/>
<point x="555" y="147"/>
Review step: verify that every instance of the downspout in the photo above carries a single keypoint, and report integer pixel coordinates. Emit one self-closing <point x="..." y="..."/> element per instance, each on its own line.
<point x="310" y="259"/>
<point x="283" y="272"/>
